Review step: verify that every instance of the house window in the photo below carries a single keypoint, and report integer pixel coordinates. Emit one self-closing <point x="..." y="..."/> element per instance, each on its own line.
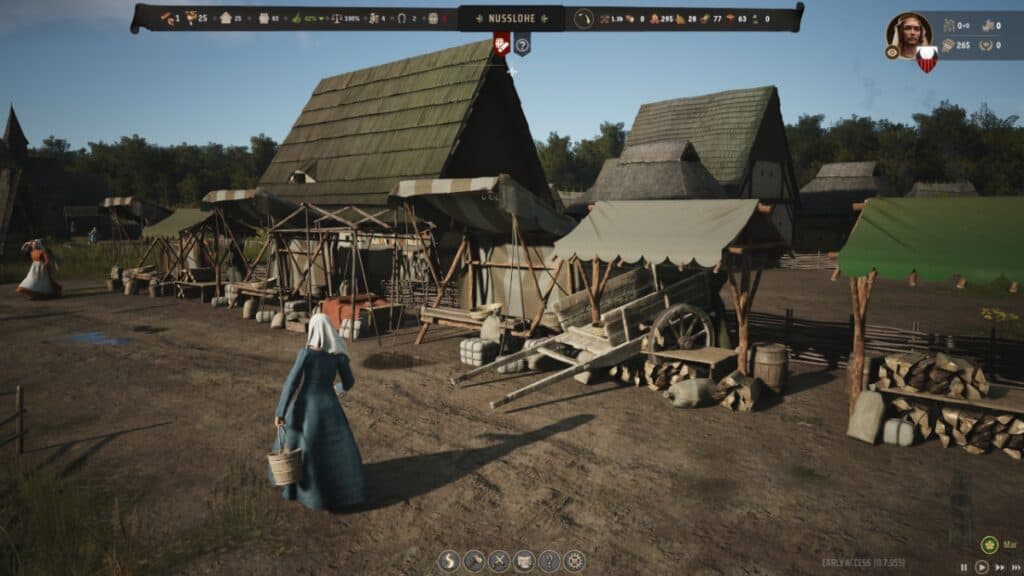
<point x="300" y="177"/>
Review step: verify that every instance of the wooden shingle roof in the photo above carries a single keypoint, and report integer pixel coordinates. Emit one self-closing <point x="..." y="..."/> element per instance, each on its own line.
<point x="364" y="131"/>
<point x="722" y="127"/>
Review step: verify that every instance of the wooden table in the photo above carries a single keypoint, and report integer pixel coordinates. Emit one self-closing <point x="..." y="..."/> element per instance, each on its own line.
<point x="720" y="361"/>
<point x="1000" y="398"/>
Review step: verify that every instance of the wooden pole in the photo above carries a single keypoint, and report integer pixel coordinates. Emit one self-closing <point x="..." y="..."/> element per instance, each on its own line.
<point x="217" y="260"/>
<point x="595" y="311"/>
<point x="19" y="407"/>
<point x="539" y="315"/>
<point x="423" y="244"/>
<point x="860" y="294"/>
<point x="353" y="246"/>
<point x="442" y="285"/>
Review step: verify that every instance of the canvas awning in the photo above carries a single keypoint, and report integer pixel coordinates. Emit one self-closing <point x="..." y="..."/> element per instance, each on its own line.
<point x="253" y="207"/>
<point x="135" y="208"/>
<point x="978" y="238"/>
<point x="179" y="221"/>
<point x="486" y="204"/>
<point x="680" y="231"/>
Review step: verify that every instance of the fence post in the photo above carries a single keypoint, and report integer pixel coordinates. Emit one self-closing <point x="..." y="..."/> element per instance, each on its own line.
<point x="788" y="327"/>
<point x="19" y="402"/>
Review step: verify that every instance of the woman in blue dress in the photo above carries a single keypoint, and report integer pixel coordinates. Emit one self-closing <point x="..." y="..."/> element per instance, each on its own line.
<point x="332" y="469"/>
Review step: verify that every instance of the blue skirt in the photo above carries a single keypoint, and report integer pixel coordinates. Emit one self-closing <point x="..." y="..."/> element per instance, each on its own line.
<point x="332" y="468"/>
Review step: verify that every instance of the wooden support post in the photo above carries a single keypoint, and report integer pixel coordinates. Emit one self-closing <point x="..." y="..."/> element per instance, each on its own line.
<point x="353" y="288"/>
<point x="539" y="315"/>
<point x="442" y="285"/>
<point x="423" y="244"/>
<point x="19" y="425"/>
<point x="217" y="257"/>
<point x="595" y="310"/>
<point x="248" y="273"/>
<point x="860" y="294"/>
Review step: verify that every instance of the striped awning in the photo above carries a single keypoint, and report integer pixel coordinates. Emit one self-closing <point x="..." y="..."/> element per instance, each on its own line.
<point x="118" y="201"/>
<point x="486" y="204"/>
<point x="253" y="207"/>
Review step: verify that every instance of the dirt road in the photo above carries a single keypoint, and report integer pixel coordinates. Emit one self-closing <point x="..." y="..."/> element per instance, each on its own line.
<point x="172" y="398"/>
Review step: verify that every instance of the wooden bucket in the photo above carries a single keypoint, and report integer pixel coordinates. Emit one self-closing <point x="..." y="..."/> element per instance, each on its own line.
<point x="771" y="365"/>
<point x="285" y="465"/>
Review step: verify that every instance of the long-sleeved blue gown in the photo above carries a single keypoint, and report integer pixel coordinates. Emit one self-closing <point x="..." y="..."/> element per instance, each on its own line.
<point x="332" y="475"/>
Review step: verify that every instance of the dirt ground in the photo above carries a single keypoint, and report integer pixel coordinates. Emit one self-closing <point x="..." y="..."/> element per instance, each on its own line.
<point x="187" y="398"/>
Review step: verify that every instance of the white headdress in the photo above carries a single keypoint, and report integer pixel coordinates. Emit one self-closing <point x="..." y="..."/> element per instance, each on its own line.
<point x="322" y="335"/>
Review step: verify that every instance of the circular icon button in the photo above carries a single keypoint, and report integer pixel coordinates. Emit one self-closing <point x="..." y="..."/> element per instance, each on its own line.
<point x="524" y="561"/>
<point x="574" y="561"/>
<point x="549" y="561"/>
<point x="522" y="45"/>
<point x="990" y="545"/>
<point x="474" y="561"/>
<point x="584" y="18"/>
<point x="981" y="567"/>
<point x="499" y="561"/>
<point x="449" y="561"/>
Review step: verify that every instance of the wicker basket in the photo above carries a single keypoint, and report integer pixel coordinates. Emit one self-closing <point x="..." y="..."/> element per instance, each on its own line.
<point x="285" y="464"/>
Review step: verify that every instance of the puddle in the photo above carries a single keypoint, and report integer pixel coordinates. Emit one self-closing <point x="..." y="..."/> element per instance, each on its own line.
<point x="393" y="361"/>
<point x="97" y="338"/>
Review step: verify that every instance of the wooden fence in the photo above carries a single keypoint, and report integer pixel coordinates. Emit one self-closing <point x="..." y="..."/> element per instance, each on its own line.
<point x="807" y="261"/>
<point x="19" y="422"/>
<point x="829" y="343"/>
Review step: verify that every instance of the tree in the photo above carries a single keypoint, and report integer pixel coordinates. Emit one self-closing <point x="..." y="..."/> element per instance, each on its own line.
<point x="55" y="147"/>
<point x="558" y="159"/>
<point x="591" y="154"/>
<point x="808" y="147"/>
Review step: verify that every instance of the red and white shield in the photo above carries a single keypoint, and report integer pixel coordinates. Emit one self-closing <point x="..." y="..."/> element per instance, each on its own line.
<point x="502" y="43"/>
<point x="927" y="57"/>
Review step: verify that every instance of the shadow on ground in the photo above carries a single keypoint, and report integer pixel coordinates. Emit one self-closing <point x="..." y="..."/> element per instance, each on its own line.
<point x="402" y="479"/>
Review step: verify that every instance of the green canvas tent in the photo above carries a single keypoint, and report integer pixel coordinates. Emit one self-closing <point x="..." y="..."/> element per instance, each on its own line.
<point x="978" y="238"/>
<point x="179" y="221"/>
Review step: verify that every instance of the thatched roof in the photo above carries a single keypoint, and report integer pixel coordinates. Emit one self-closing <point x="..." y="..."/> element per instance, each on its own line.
<point x="838" y="186"/>
<point x="722" y="127"/>
<point x="942" y="189"/>
<point x="663" y="170"/>
<point x="364" y="131"/>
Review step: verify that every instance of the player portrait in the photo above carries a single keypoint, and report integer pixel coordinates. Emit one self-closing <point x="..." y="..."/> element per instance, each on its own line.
<point x="905" y="34"/>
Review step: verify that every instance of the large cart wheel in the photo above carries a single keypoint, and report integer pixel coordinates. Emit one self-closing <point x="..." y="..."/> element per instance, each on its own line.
<point x="680" y="327"/>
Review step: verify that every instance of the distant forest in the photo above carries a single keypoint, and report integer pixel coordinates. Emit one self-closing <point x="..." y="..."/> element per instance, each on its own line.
<point x="946" y="144"/>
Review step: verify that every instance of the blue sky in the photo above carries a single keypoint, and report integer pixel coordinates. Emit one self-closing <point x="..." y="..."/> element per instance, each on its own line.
<point x="73" y="69"/>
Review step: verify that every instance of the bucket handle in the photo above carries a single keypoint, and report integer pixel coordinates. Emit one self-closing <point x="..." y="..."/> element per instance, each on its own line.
<point x="282" y="435"/>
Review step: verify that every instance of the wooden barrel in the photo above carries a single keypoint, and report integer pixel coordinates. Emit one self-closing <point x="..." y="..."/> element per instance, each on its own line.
<point x="771" y="365"/>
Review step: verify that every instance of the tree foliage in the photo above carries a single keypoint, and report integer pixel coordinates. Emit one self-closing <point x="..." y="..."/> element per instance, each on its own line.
<point x="946" y="144"/>
<point x="575" y="166"/>
<point x="173" y="176"/>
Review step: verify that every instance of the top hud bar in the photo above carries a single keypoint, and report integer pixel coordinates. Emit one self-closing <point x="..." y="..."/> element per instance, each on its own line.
<point x="470" y="18"/>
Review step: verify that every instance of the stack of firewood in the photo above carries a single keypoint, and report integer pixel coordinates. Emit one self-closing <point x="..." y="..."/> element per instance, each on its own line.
<point x="660" y="376"/>
<point x="738" y="392"/>
<point x="976" y="432"/>
<point x="942" y="374"/>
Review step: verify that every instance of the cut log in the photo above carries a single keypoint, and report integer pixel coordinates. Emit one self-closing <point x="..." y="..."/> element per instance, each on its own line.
<point x="972" y="392"/>
<point x="1015" y="441"/>
<point x="959" y="437"/>
<point x="918" y="381"/>
<point x="901" y="404"/>
<point x="937" y="374"/>
<point x="1005" y="419"/>
<point x="999" y="440"/>
<point x="971" y="449"/>
<point x="951" y="415"/>
<point x="1016" y="428"/>
<point x="925" y="427"/>
<point x="916" y="415"/>
<point x="940" y="388"/>
<point x="944" y="439"/>
<point x="748" y="394"/>
<point x="1012" y="453"/>
<point x="899" y="381"/>
<point x="956" y="390"/>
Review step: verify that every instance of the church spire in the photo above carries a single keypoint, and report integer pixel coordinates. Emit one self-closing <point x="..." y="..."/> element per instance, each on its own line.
<point x="14" y="137"/>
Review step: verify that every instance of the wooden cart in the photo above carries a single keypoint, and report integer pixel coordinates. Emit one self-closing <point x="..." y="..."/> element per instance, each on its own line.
<point x="663" y="324"/>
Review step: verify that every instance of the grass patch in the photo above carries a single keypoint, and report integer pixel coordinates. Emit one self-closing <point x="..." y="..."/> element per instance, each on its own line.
<point x="78" y="261"/>
<point x="241" y="508"/>
<point x="56" y="526"/>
